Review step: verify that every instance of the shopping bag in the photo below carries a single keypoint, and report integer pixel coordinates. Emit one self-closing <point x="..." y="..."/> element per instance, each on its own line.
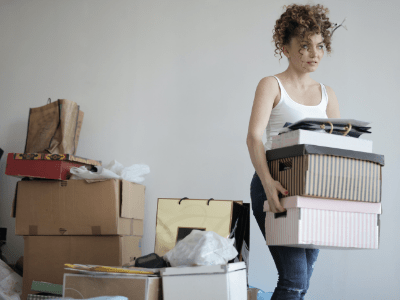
<point x="176" y="218"/>
<point x="54" y="128"/>
<point x="344" y="127"/>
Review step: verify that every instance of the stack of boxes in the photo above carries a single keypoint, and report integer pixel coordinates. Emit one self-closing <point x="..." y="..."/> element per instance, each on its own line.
<point x="72" y="221"/>
<point x="100" y="222"/>
<point x="334" y="198"/>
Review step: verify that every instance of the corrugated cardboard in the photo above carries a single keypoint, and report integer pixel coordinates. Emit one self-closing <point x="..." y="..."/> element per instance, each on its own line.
<point x="75" y="207"/>
<point x="45" y="256"/>
<point x="133" y="287"/>
<point x="300" y="136"/>
<point x="45" y="166"/>
<point x="323" y="224"/>
<point x="177" y="220"/>
<point x="323" y="172"/>
<point x="222" y="282"/>
<point x="252" y="293"/>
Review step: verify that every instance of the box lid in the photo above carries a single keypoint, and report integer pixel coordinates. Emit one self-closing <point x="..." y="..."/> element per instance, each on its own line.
<point x="328" y="204"/>
<point x="214" y="269"/>
<point x="303" y="149"/>
<point x="62" y="157"/>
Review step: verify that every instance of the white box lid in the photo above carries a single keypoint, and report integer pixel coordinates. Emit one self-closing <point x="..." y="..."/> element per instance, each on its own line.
<point x="184" y="270"/>
<point x="329" y="204"/>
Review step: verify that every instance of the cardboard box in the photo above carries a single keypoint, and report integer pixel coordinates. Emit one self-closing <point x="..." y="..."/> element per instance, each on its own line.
<point x="47" y="166"/>
<point x="133" y="287"/>
<point x="252" y="293"/>
<point x="300" y="136"/>
<point x="75" y="207"/>
<point x="45" y="256"/>
<point x="323" y="172"/>
<point x="222" y="282"/>
<point x="176" y="219"/>
<point x="323" y="224"/>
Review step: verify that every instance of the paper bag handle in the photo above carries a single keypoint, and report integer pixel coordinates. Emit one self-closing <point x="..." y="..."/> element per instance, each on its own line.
<point x="323" y="126"/>
<point x="208" y="202"/>
<point x="182" y="199"/>
<point x="345" y="132"/>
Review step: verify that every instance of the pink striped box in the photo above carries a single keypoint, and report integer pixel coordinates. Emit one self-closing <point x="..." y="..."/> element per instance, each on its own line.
<point x="323" y="224"/>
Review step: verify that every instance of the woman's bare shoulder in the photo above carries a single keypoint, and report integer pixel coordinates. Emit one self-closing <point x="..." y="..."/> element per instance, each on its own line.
<point x="269" y="89"/>
<point x="268" y="81"/>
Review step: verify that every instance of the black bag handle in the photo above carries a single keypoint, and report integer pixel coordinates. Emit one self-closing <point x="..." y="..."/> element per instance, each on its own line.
<point x="208" y="202"/>
<point x="182" y="199"/>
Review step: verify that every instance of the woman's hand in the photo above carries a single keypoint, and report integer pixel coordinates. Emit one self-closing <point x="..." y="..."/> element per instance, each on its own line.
<point x="271" y="191"/>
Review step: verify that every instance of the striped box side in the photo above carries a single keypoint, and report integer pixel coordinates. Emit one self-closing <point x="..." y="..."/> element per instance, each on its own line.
<point x="338" y="229"/>
<point x="291" y="178"/>
<point x="343" y="178"/>
<point x="284" y="230"/>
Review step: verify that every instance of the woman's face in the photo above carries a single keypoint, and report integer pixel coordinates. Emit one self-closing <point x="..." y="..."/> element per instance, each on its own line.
<point x="305" y="55"/>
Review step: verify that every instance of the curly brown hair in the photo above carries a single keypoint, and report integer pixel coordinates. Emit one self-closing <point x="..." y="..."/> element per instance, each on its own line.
<point x="302" y="21"/>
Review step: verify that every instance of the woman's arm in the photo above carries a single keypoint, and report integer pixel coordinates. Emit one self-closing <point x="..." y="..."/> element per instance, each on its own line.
<point x="266" y="92"/>
<point x="332" y="109"/>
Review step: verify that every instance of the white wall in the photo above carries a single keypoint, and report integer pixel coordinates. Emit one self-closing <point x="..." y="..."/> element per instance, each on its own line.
<point x="171" y="84"/>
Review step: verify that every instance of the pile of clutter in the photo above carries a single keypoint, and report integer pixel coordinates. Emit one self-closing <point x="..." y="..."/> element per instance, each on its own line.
<point x="83" y="225"/>
<point x="334" y="183"/>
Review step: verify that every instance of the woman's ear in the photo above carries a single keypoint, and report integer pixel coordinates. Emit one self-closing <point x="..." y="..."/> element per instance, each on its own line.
<point x="285" y="52"/>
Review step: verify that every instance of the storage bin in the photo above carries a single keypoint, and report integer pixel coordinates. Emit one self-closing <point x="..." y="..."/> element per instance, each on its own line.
<point x="324" y="172"/>
<point x="323" y="223"/>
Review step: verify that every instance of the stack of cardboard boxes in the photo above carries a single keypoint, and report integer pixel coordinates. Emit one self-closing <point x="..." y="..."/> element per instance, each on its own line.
<point x="72" y="221"/>
<point x="334" y="198"/>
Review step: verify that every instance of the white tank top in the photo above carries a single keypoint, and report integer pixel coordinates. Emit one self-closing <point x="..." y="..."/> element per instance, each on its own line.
<point x="288" y="110"/>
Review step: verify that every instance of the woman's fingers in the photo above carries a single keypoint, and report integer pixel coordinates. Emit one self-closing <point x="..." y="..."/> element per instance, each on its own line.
<point x="273" y="198"/>
<point x="281" y="189"/>
<point x="275" y="205"/>
<point x="278" y="205"/>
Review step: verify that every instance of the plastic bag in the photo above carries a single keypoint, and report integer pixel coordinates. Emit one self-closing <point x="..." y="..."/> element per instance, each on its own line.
<point x="10" y="283"/>
<point x="114" y="170"/>
<point x="202" y="248"/>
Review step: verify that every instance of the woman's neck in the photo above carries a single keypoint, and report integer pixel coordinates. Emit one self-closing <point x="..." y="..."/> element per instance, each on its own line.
<point x="299" y="80"/>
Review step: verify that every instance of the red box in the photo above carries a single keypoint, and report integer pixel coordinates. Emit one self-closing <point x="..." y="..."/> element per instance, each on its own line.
<point x="42" y="165"/>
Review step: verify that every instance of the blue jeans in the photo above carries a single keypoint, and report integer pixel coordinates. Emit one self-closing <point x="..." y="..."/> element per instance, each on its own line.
<point x="294" y="265"/>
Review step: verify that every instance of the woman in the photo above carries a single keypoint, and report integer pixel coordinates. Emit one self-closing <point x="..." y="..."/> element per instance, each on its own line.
<point x="300" y="34"/>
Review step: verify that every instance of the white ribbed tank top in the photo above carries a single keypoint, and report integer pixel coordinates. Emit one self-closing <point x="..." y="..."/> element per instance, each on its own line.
<point x="288" y="110"/>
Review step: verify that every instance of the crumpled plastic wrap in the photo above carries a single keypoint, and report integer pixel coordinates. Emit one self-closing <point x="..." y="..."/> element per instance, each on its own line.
<point x="202" y="248"/>
<point x="10" y="283"/>
<point x="114" y="170"/>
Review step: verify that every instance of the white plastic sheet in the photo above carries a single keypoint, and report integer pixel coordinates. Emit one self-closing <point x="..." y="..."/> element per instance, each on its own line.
<point x="10" y="283"/>
<point x="202" y="248"/>
<point x="114" y="170"/>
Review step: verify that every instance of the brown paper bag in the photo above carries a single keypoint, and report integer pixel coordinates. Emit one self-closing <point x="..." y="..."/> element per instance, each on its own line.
<point x="54" y="128"/>
<point x="176" y="218"/>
